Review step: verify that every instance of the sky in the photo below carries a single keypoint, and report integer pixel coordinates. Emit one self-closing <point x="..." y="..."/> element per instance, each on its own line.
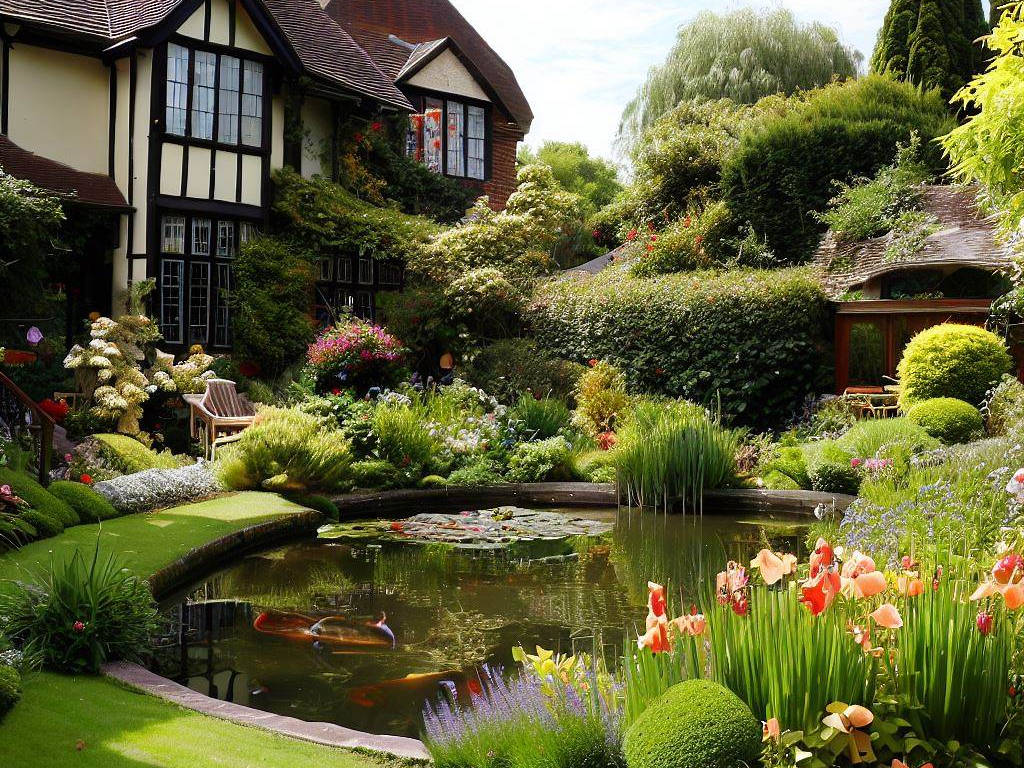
<point x="580" y="61"/>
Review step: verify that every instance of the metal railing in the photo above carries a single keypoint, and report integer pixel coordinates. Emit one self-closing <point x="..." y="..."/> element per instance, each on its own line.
<point x="22" y="416"/>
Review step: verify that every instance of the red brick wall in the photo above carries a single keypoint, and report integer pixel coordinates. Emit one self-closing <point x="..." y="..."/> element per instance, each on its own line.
<point x="505" y="141"/>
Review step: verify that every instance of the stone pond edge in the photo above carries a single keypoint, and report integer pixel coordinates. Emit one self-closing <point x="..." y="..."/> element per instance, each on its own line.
<point x="215" y="554"/>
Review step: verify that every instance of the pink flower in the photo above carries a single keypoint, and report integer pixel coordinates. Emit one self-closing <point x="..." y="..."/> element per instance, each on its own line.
<point x="68" y="457"/>
<point x="5" y="490"/>
<point x="984" y="622"/>
<point x="78" y="626"/>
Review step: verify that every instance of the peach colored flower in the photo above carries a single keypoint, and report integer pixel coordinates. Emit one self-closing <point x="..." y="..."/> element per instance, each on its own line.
<point x="888" y="617"/>
<point x="771" y="730"/>
<point x="774" y="566"/>
<point x="910" y="586"/>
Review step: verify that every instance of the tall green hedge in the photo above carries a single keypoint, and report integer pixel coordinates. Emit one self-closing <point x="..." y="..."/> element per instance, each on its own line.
<point x="785" y="167"/>
<point x="755" y="339"/>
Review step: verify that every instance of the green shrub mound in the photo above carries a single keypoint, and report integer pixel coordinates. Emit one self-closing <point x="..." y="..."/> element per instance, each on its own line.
<point x="540" y="419"/>
<point x="375" y="473"/>
<point x="38" y="497"/>
<point x="696" y="724"/>
<point x="789" y="462"/>
<point x="90" y="506"/>
<point x="129" y="456"/>
<point x="948" y="419"/>
<point x="45" y="525"/>
<point x="753" y="340"/>
<point x="775" y="480"/>
<point x="317" y="503"/>
<point x="10" y="689"/>
<point x="868" y="439"/>
<point x="950" y="360"/>
<point x="546" y="460"/>
<point x="432" y="481"/>
<point x="834" y="477"/>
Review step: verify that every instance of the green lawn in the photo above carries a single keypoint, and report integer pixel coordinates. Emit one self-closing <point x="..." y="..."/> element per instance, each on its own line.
<point x="121" y="728"/>
<point x="147" y="543"/>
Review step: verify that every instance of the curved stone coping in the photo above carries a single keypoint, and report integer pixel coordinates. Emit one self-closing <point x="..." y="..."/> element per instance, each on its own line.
<point x="207" y="558"/>
<point x="327" y="734"/>
<point x="454" y="499"/>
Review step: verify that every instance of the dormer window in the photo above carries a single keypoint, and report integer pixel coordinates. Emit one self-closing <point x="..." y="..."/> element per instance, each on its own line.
<point x="450" y="137"/>
<point x="214" y="97"/>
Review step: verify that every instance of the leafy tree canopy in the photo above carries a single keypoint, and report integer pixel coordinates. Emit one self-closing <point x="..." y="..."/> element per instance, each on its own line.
<point x="744" y="56"/>
<point x="594" y="179"/>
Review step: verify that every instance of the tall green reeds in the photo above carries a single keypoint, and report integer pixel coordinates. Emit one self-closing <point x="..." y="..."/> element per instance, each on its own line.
<point x="673" y="450"/>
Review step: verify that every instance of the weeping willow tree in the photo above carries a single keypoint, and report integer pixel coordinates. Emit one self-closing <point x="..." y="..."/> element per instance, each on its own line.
<point x="744" y="56"/>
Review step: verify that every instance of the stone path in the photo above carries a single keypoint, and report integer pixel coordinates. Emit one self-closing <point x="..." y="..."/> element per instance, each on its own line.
<point x="478" y="529"/>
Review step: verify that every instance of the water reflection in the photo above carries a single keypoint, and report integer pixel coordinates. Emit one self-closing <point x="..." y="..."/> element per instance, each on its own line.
<point x="450" y="611"/>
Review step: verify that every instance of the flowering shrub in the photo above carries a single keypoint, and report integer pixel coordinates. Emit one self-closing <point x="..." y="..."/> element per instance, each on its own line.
<point x="159" y="488"/>
<point x="355" y="353"/>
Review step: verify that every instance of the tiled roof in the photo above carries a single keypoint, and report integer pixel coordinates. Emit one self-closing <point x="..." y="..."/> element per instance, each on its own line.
<point x="423" y="52"/>
<point x="324" y="49"/>
<point x="106" y="19"/>
<point x="965" y="237"/>
<point x="371" y="22"/>
<point x="327" y="50"/>
<point x="91" y="188"/>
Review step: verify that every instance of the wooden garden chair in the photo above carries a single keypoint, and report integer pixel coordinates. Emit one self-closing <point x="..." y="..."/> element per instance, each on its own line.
<point x="219" y="416"/>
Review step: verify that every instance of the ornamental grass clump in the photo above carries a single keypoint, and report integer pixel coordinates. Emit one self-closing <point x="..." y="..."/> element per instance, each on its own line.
<point x="355" y="353"/>
<point x="287" y="450"/>
<point x="673" y="450"/>
<point x="84" y="612"/>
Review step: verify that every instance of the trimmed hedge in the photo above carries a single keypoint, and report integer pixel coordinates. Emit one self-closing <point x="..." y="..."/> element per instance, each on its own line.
<point x="38" y="497"/>
<point x="45" y="525"/>
<point x="948" y="419"/>
<point x="950" y="360"/>
<point x="785" y="167"/>
<point x="695" y="724"/>
<point x="90" y="506"/>
<point x="754" y="339"/>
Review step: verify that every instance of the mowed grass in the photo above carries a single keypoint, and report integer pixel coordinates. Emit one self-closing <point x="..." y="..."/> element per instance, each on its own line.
<point x="92" y="722"/>
<point x="96" y="722"/>
<point x="147" y="543"/>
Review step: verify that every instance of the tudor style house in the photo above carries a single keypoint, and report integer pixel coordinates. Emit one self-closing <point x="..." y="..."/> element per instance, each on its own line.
<point x="168" y="116"/>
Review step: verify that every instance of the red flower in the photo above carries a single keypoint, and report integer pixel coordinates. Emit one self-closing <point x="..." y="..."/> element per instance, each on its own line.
<point x="86" y="479"/>
<point x="631" y="235"/>
<point x="984" y="622"/>
<point x="659" y="371"/>
<point x="654" y="238"/>
<point x="592" y="362"/>
<point x="359" y="138"/>
<point x="336" y="391"/>
<point x="606" y="440"/>
<point x="650" y="247"/>
<point x="376" y="127"/>
<point x="698" y="239"/>
<point x="596" y="234"/>
<point x="78" y="626"/>
<point x="687" y="221"/>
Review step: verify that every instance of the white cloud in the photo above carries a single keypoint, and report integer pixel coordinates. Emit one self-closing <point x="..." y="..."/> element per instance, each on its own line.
<point x="580" y="61"/>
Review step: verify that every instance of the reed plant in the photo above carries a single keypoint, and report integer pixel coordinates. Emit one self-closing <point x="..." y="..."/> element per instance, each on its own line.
<point x="541" y="419"/>
<point x="673" y="450"/>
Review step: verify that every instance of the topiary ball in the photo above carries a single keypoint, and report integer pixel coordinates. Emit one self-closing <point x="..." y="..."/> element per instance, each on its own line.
<point x="696" y="724"/>
<point x="949" y="360"/>
<point x="90" y="505"/>
<point x="10" y="689"/>
<point x="835" y="477"/>
<point x="948" y="419"/>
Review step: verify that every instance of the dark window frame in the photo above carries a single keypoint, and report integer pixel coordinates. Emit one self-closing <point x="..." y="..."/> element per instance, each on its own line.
<point x="419" y="99"/>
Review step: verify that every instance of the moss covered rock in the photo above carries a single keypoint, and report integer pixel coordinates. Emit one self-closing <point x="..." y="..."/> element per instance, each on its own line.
<point x="90" y="506"/>
<point x="696" y="724"/>
<point x="38" y="497"/>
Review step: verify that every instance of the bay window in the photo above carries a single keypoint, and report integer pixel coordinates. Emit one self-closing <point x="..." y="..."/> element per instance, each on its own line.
<point x="450" y="137"/>
<point x="226" y="101"/>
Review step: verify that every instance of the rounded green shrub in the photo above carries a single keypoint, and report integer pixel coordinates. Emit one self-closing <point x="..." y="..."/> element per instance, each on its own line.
<point x="375" y="473"/>
<point x="128" y="455"/>
<point x="46" y="525"/>
<point x="790" y="462"/>
<point x="696" y="724"/>
<point x="432" y="481"/>
<point x="10" y="689"/>
<point x="948" y="419"/>
<point x="950" y="360"/>
<point x="777" y="481"/>
<point x="38" y="497"/>
<point x="90" y="506"/>
<point x="834" y="477"/>
<point x="317" y="503"/>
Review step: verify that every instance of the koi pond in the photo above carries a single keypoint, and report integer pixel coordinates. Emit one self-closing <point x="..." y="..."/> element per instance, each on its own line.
<point x="361" y="629"/>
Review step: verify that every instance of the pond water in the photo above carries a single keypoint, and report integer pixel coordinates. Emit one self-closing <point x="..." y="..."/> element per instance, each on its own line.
<point x="449" y="610"/>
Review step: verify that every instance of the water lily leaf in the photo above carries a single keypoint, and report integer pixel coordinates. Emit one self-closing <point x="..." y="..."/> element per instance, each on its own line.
<point x="837" y="707"/>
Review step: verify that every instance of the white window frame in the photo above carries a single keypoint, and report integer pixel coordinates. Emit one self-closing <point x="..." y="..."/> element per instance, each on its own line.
<point x="172" y="235"/>
<point x="176" y="112"/>
<point x="204" y="95"/>
<point x="172" y="331"/>
<point x="252" y="103"/>
<point x="229" y="99"/>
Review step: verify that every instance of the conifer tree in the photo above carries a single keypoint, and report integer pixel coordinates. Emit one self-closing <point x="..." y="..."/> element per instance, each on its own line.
<point x="932" y="42"/>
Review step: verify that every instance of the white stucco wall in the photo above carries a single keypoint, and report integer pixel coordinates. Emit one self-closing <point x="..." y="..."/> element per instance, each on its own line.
<point x="317" y="131"/>
<point x="448" y="75"/>
<point x="59" y="105"/>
